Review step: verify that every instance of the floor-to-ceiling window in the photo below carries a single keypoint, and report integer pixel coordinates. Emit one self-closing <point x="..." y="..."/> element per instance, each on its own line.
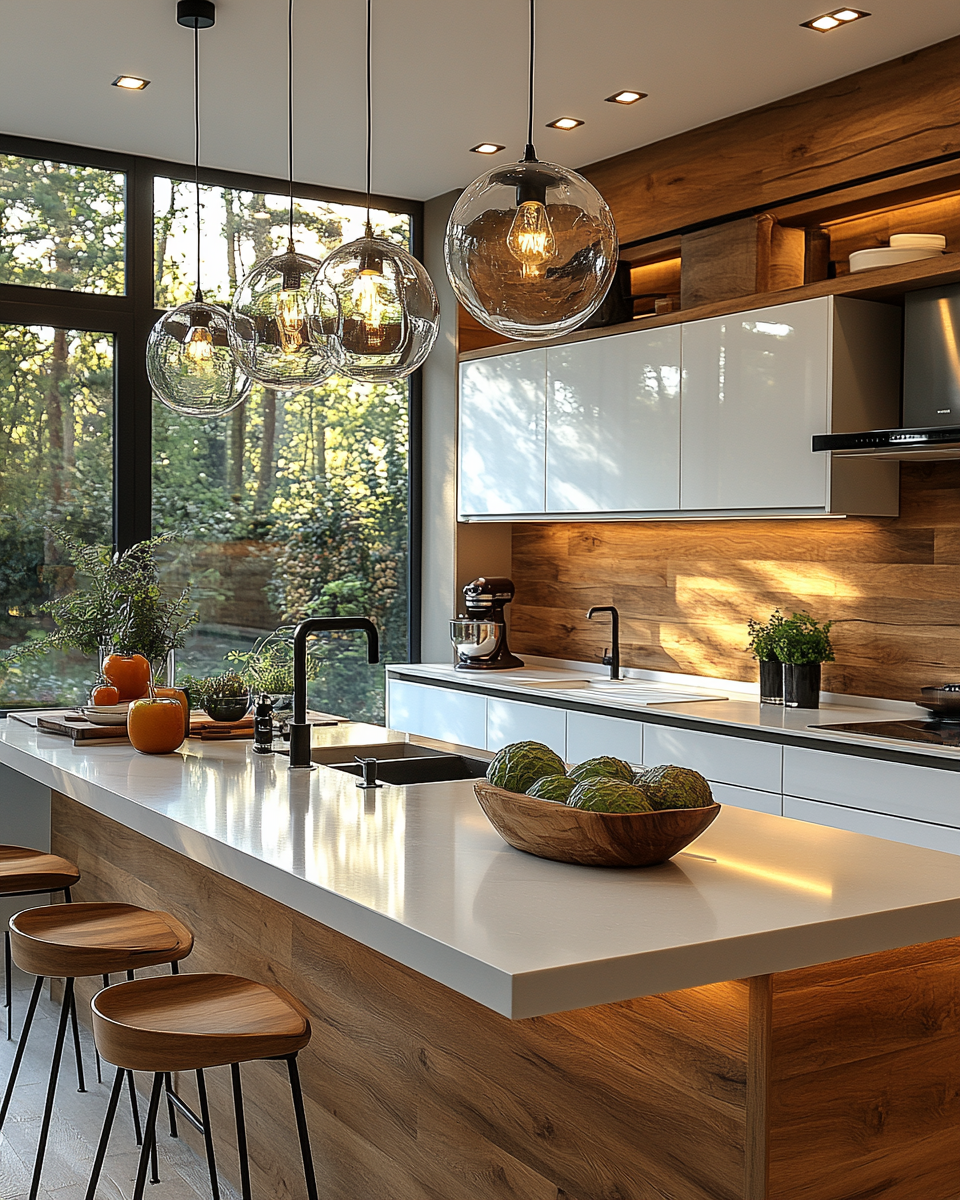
<point x="295" y="504"/>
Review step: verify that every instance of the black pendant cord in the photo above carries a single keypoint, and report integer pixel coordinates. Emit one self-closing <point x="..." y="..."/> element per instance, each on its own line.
<point x="529" y="154"/>
<point x="369" y="108"/>
<point x="196" y="145"/>
<point x="290" y="111"/>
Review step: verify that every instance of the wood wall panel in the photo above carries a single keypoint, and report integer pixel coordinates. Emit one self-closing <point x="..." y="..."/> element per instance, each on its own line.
<point x="888" y="116"/>
<point x="685" y="590"/>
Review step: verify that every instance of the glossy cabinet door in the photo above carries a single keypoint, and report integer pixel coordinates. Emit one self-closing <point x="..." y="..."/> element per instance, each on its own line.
<point x="502" y="428"/>
<point x="613" y="423"/>
<point x="589" y="736"/>
<point x="755" y="390"/>
<point x="442" y="713"/>
<point x="513" y="721"/>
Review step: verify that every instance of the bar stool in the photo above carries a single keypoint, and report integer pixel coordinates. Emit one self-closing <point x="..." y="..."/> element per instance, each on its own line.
<point x="189" y="1023"/>
<point x="72" y="941"/>
<point x="26" y="872"/>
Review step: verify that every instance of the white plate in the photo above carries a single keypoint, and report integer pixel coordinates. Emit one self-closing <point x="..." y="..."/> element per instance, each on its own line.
<point x="918" y="241"/>
<point x="888" y="256"/>
<point x="105" y="714"/>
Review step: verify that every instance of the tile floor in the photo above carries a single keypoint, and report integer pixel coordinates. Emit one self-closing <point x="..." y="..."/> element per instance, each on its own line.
<point x="77" y="1120"/>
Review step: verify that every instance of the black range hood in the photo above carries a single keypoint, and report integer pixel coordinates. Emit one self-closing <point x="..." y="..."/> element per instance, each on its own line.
<point x="931" y="386"/>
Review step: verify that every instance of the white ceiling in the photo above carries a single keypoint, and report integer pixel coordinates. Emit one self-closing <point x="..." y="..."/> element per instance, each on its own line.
<point x="448" y="74"/>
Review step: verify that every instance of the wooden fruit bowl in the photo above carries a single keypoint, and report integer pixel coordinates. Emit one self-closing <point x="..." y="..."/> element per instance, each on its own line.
<point x="552" y="830"/>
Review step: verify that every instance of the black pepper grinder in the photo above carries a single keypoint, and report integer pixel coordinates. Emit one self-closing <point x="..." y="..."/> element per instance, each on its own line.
<point x="263" y="725"/>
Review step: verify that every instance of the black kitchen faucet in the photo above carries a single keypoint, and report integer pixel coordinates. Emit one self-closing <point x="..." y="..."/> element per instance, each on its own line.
<point x="611" y="660"/>
<point x="299" y="727"/>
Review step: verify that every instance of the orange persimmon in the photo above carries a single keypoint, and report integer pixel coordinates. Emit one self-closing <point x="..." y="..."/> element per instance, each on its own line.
<point x="103" y="695"/>
<point x="155" y="725"/>
<point x="129" y="674"/>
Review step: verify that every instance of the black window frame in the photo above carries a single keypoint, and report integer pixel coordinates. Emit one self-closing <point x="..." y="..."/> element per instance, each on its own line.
<point x="130" y="317"/>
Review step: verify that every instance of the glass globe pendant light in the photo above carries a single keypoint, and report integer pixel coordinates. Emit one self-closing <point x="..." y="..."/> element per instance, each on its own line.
<point x="387" y="311"/>
<point x="531" y="249"/>
<point x="283" y="319"/>
<point x="189" y="361"/>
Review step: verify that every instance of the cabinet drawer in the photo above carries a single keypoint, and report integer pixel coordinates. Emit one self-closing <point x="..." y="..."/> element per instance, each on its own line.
<point x="720" y="759"/>
<point x="898" y="789"/>
<point x="589" y="736"/>
<point x="894" y="829"/>
<point x="437" y="713"/>
<point x="741" y="797"/>
<point x="512" y="721"/>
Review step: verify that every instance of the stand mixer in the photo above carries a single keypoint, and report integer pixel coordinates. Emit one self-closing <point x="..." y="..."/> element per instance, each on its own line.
<point x="480" y="638"/>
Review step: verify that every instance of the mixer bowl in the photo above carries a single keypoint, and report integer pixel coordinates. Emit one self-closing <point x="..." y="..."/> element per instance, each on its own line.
<point x="474" y="639"/>
<point x="943" y="702"/>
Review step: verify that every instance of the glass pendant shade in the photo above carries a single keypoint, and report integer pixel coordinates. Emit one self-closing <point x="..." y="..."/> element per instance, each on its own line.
<point x="531" y="250"/>
<point x="190" y="364"/>
<point x="388" y="315"/>
<point x="283" y="323"/>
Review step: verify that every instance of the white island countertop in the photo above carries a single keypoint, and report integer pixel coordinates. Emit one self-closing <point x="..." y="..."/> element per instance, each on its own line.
<point x="418" y="874"/>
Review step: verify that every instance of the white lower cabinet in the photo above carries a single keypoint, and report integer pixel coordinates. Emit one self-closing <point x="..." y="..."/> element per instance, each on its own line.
<point x="513" y="721"/>
<point x="894" y="829"/>
<point x="740" y="761"/>
<point x="741" y="797"/>
<point x="879" y="786"/>
<point x="589" y="736"/>
<point x="442" y="713"/>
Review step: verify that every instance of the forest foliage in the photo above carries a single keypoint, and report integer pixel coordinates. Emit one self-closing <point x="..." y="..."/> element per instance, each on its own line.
<point x="310" y="488"/>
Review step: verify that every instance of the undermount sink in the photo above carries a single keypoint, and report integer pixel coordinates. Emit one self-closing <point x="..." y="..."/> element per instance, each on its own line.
<point x="338" y="755"/>
<point x="434" y="766"/>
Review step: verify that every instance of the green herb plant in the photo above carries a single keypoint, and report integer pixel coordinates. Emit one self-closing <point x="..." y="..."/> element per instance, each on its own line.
<point x="119" y="604"/>
<point x="763" y="636"/>
<point x="268" y="666"/>
<point x="802" y="639"/>
<point x="228" y="686"/>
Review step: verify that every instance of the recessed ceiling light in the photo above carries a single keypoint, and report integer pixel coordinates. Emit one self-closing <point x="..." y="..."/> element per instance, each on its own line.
<point x="625" y="97"/>
<point x="833" y="20"/>
<point x="131" y="83"/>
<point x="564" y="123"/>
<point x="487" y="148"/>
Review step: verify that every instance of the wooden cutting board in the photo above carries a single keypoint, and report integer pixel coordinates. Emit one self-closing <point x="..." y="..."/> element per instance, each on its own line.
<point x="80" y="730"/>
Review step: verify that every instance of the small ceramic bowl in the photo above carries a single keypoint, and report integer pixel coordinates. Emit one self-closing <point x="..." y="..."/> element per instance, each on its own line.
<point x="227" y="708"/>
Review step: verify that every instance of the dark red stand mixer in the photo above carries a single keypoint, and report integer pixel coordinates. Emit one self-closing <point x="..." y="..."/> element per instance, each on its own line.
<point x="480" y="637"/>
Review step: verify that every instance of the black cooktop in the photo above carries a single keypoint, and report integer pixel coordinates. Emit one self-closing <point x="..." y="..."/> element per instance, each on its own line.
<point x="936" y="733"/>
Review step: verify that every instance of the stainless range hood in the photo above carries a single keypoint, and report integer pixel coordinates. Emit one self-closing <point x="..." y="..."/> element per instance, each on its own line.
<point x="931" y="386"/>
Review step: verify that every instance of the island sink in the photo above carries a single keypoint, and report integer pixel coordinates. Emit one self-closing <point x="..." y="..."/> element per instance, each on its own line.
<point x="434" y="767"/>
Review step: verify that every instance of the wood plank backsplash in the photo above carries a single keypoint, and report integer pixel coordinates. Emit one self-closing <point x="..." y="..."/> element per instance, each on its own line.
<point x="686" y="589"/>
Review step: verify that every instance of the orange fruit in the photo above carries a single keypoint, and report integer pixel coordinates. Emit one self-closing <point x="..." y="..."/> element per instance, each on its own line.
<point x="155" y="725"/>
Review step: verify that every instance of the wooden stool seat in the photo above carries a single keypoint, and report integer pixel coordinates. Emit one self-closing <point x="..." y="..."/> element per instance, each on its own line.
<point x="188" y="1022"/>
<point x="74" y="940"/>
<point x="26" y="870"/>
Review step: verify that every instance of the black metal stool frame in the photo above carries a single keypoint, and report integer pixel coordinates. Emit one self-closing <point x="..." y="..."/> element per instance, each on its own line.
<point x="161" y="1084"/>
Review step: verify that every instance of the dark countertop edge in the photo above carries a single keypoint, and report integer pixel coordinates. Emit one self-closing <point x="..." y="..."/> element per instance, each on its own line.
<point x="652" y="716"/>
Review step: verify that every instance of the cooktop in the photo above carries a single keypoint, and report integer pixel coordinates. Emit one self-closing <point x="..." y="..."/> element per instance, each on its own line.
<point x="936" y="733"/>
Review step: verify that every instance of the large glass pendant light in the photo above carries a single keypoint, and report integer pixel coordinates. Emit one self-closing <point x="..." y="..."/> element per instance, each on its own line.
<point x="531" y="249"/>
<point x="388" y="316"/>
<point x="283" y="319"/>
<point x="189" y="362"/>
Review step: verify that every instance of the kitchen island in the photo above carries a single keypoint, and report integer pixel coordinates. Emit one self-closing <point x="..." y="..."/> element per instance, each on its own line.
<point x="776" y="1012"/>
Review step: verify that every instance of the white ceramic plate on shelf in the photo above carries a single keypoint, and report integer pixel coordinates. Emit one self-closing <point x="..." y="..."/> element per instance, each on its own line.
<point x="105" y="714"/>
<point x="888" y="256"/>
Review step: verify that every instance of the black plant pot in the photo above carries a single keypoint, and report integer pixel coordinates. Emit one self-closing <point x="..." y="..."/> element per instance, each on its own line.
<point x="801" y="685"/>
<point x="771" y="681"/>
<point x="227" y="708"/>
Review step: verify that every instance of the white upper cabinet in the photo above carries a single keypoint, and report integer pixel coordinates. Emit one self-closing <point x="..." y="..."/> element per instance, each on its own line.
<point x="755" y="391"/>
<point x="502" y="429"/>
<point x="758" y="385"/>
<point x="613" y="424"/>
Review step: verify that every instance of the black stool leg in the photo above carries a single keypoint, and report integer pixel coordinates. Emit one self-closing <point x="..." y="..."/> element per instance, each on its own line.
<point x="241" y="1132"/>
<point x="171" y="1111"/>
<point x="105" y="1134"/>
<point x="304" y="1134"/>
<point x="52" y="1086"/>
<point x="106" y="983"/>
<point x="149" y="1136"/>
<point x="134" y="1108"/>
<point x="8" y="983"/>
<point x="21" y="1047"/>
<point x="76" y="1043"/>
<point x="208" y="1136"/>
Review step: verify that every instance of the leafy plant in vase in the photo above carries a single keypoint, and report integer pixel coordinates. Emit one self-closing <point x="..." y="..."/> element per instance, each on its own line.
<point x="763" y="636"/>
<point x="793" y="647"/>
<point x="222" y="697"/>
<point x="268" y="667"/>
<point x="118" y="613"/>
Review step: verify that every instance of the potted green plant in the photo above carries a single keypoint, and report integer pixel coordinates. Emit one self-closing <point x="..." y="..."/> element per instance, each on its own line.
<point x="119" y="605"/>
<point x="763" y="636"/>
<point x="268" y="667"/>
<point x="802" y="644"/>
<point x="223" y="697"/>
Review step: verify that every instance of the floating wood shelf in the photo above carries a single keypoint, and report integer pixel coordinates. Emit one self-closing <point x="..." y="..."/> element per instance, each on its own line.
<point x="884" y="283"/>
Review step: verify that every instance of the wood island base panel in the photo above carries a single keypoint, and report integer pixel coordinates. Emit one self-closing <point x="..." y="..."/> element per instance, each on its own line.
<point x="833" y="1082"/>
